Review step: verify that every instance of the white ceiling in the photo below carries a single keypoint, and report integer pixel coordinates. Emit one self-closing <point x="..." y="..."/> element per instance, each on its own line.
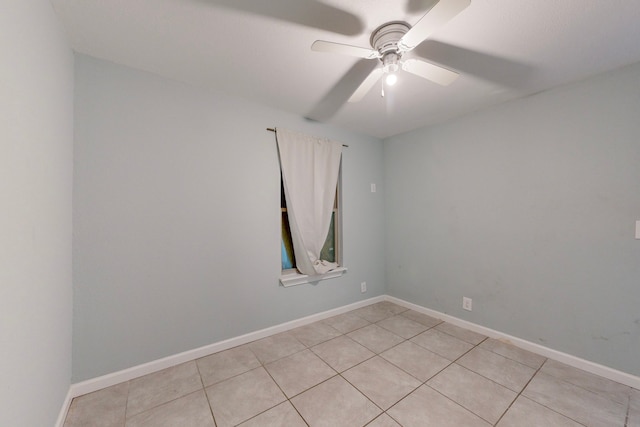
<point x="260" y="50"/>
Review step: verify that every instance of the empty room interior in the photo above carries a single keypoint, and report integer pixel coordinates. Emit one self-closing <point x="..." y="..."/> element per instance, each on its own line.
<point x="482" y="261"/>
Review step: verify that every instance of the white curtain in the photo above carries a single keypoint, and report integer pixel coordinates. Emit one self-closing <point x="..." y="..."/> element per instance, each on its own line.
<point x="310" y="168"/>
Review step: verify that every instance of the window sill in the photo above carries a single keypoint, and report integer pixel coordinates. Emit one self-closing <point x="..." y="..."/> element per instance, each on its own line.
<point x="293" y="279"/>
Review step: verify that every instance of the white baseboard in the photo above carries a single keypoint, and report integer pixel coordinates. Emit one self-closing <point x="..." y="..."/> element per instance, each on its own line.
<point x="98" y="383"/>
<point x="568" y="359"/>
<point x="65" y="409"/>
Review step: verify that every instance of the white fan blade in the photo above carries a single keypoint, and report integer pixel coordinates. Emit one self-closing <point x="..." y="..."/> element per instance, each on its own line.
<point x="344" y="49"/>
<point x="366" y="85"/>
<point x="428" y="71"/>
<point x="440" y="14"/>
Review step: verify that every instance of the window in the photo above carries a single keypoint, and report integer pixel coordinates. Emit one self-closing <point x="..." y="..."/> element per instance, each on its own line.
<point x="331" y="251"/>
<point x="310" y="180"/>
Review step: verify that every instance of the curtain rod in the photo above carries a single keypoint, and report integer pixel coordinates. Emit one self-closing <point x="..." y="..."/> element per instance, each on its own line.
<point x="273" y="130"/>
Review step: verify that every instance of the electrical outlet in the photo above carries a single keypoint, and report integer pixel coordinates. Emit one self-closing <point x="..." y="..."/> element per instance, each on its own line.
<point x="467" y="303"/>
<point x="363" y="287"/>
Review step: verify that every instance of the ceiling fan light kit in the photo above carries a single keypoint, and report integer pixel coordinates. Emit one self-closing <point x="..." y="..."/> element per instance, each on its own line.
<point x="393" y="39"/>
<point x="391" y="79"/>
<point x="391" y="64"/>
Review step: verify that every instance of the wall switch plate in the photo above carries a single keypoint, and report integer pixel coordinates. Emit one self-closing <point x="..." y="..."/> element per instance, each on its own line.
<point x="363" y="287"/>
<point x="467" y="303"/>
<point x="373" y="188"/>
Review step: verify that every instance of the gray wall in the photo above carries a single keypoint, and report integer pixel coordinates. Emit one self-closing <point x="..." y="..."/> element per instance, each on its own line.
<point x="36" y="147"/>
<point x="529" y="209"/>
<point x="177" y="219"/>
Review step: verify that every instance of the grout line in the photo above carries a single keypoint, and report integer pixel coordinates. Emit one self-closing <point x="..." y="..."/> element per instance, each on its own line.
<point x="626" y="420"/>
<point x="456" y="403"/>
<point x="288" y="399"/>
<point x="204" y="389"/>
<point x="597" y="393"/>
<point x="378" y="354"/>
<point x="337" y="374"/>
<point x="362" y="393"/>
<point x="168" y="401"/>
<point x="551" y="409"/>
<point x="298" y="412"/>
<point x="520" y="393"/>
<point x="454" y="362"/>
<point x="373" y="420"/>
<point x="126" y="403"/>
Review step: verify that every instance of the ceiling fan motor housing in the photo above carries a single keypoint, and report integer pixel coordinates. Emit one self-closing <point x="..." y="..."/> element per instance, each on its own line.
<point x="385" y="40"/>
<point x="386" y="37"/>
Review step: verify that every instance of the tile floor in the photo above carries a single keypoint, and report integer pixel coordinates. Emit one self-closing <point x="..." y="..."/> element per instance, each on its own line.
<point x="379" y="366"/>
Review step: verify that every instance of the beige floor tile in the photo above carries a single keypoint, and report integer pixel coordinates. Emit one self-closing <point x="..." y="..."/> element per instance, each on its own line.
<point x="415" y="360"/>
<point x="461" y="333"/>
<point x="103" y="408"/>
<point x="391" y="306"/>
<point x="427" y="407"/>
<point x="512" y="352"/>
<point x="401" y="326"/>
<point x="575" y="402"/>
<point x="275" y="347"/>
<point x="443" y="344"/>
<point x="527" y="413"/>
<point x="605" y="387"/>
<point x="241" y="390"/>
<point x="509" y="373"/>
<point x="335" y="403"/>
<point x="481" y="396"/>
<point x="315" y="333"/>
<point x="634" y="400"/>
<point x="226" y="364"/>
<point x="634" y="409"/>
<point x="382" y="382"/>
<point x="299" y="372"/>
<point x="161" y="387"/>
<point x="346" y="322"/>
<point x="383" y="420"/>
<point x="376" y="312"/>
<point x="283" y="415"/>
<point x="242" y="397"/>
<point x="375" y="338"/>
<point x="188" y="411"/>
<point x="421" y="318"/>
<point x="342" y="353"/>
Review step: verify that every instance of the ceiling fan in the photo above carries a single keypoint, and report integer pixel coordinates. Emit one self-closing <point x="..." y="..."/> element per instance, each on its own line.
<point x="392" y="40"/>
